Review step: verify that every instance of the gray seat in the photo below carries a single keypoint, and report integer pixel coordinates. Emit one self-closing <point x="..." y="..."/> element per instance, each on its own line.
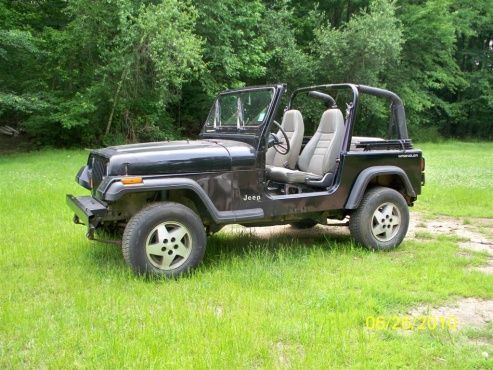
<point x="292" y="124"/>
<point x="319" y="157"/>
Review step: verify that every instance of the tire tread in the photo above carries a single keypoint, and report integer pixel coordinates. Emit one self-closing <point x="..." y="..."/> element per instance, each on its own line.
<point x="139" y="221"/>
<point x="360" y="216"/>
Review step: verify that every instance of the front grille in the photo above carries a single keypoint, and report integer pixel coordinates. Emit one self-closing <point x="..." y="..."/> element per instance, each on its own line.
<point x="98" y="170"/>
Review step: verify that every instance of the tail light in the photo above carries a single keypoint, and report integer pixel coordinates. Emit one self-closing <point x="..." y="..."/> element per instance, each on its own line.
<point x="422" y="165"/>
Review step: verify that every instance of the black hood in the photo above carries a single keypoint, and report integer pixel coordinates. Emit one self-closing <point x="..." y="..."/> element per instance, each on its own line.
<point x="175" y="157"/>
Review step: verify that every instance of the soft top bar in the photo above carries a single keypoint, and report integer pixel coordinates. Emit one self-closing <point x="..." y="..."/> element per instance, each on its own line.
<point x="380" y="92"/>
<point x="398" y="114"/>
<point x="397" y="109"/>
<point x="325" y="97"/>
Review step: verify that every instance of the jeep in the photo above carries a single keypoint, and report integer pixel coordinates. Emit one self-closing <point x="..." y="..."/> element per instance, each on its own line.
<point x="250" y="169"/>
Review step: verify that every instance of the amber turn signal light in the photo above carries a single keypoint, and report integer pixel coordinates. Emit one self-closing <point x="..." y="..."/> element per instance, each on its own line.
<point x="131" y="180"/>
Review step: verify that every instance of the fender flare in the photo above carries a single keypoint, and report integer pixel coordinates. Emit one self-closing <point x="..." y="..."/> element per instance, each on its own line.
<point x="114" y="190"/>
<point x="364" y="178"/>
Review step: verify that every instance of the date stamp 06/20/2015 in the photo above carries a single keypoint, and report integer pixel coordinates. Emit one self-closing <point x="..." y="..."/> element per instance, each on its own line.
<point x="419" y="323"/>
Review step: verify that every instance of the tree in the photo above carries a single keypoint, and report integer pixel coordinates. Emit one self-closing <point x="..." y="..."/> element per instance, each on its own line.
<point x="472" y="103"/>
<point x="234" y="55"/>
<point x="19" y="50"/>
<point x="428" y="70"/>
<point x="286" y="59"/>
<point x="116" y="61"/>
<point x="362" y="51"/>
<point x="99" y="72"/>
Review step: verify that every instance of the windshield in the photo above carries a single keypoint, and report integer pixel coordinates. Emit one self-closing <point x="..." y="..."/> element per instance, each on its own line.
<point x="240" y="109"/>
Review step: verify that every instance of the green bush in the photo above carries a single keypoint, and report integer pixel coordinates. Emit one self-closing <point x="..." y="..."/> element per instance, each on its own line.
<point x="90" y="73"/>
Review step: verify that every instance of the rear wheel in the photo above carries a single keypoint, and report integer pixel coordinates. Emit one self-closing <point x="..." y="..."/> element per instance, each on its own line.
<point x="164" y="239"/>
<point x="381" y="220"/>
<point x="303" y="224"/>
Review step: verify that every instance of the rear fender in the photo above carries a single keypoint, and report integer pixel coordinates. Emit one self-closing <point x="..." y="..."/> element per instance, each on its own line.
<point x="371" y="173"/>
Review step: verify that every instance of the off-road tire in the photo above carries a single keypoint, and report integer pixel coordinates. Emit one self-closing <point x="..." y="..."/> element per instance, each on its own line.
<point x="142" y="224"/>
<point x="362" y="220"/>
<point x="303" y="224"/>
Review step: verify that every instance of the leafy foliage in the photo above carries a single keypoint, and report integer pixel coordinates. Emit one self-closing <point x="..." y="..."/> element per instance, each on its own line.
<point x="363" y="49"/>
<point x="428" y="72"/>
<point x="90" y="73"/>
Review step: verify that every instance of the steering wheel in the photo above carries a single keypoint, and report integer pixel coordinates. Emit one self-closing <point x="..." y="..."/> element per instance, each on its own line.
<point x="281" y="146"/>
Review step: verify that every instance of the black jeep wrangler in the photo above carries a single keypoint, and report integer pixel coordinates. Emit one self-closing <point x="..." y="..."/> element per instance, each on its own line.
<point x="168" y="196"/>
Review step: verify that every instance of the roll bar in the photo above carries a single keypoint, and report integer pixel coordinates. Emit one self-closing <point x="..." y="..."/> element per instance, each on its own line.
<point x="398" y="114"/>
<point x="325" y="97"/>
<point x="396" y="106"/>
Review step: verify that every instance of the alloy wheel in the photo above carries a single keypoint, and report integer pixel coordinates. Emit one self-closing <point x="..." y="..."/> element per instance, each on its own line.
<point x="386" y="222"/>
<point x="168" y="245"/>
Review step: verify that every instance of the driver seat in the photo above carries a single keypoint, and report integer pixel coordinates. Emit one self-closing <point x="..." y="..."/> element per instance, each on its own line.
<point x="318" y="160"/>
<point x="292" y="124"/>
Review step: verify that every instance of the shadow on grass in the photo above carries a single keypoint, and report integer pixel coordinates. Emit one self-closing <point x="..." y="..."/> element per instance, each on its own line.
<point x="105" y="257"/>
<point x="228" y="245"/>
<point x="246" y="242"/>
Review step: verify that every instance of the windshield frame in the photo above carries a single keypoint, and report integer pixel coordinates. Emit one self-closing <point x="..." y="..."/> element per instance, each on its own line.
<point x="244" y="129"/>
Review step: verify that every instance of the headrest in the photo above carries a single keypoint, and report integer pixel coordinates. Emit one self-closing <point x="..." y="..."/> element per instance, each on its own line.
<point x="330" y="121"/>
<point x="291" y="120"/>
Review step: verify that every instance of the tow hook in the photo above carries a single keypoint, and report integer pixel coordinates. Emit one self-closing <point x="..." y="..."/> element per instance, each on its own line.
<point x="90" y="232"/>
<point x="76" y="220"/>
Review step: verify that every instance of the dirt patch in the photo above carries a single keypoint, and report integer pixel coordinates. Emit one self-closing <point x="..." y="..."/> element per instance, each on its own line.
<point x="469" y="312"/>
<point x="470" y="231"/>
<point x="285" y="353"/>
<point x="437" y="226"/>
<point x="486" y="269"/>
<point x="483" y="342"/>
<point x="477" y="246"/>
<point x="450" y="226"/>
<point x="419" y="228"/>
<point x="267" y="232"/>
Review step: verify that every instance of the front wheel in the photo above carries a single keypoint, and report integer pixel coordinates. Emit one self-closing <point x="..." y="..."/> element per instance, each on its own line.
<point x="381" y="220"/>
<point x="164" y="239"/>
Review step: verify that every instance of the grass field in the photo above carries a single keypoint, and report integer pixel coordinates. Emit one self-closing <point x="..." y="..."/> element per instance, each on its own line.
<point x="459" y="179"/>
<point x="66" y="302"/>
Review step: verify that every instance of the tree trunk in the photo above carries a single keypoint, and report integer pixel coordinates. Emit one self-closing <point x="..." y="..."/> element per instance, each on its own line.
<point x="115" y="100"/>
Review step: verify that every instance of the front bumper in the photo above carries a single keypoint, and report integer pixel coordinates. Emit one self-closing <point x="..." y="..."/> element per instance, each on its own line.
<point x="87" y="210"/>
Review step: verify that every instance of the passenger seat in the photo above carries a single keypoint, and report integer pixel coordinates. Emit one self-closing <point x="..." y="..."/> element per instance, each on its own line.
<point x="319" y="157"/>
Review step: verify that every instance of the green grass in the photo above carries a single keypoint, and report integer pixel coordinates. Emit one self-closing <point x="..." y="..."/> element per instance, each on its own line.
<point x="66" y="302"/>
<point x="459" y="179"/>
